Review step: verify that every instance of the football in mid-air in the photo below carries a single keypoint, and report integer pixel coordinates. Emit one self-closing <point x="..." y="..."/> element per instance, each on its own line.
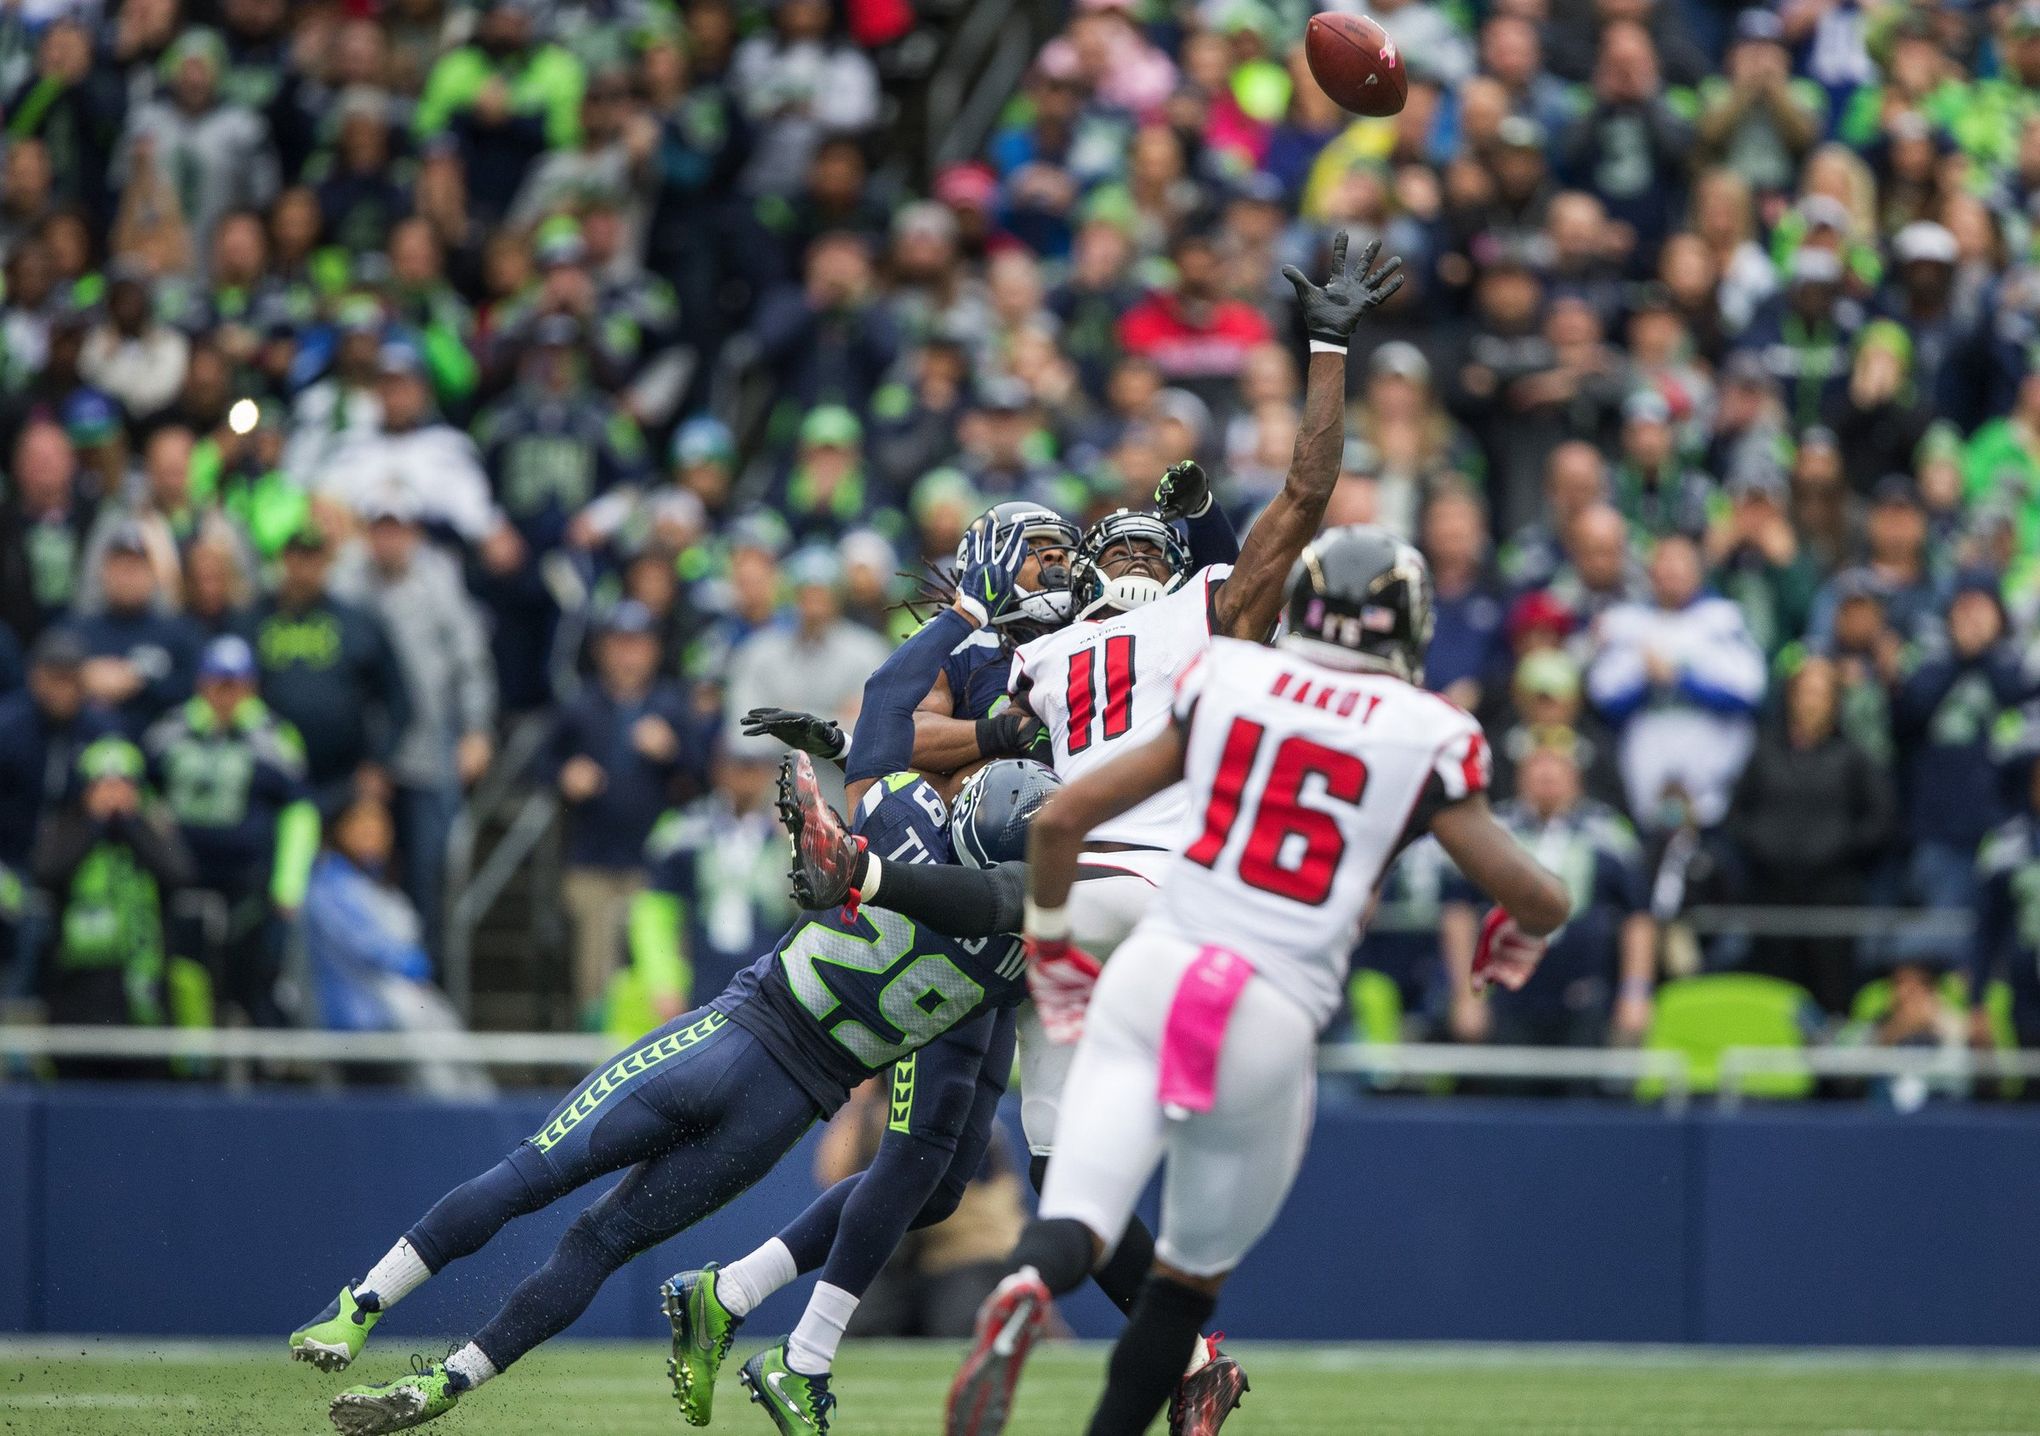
<point x="1356" y="63"/>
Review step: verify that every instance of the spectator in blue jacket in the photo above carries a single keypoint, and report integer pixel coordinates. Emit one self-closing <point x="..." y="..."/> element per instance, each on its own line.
<point x="617" y="751"/>
<point x="328" y="669"/>
<point x="1942" y="715"/>
<point x="138" y="659"/>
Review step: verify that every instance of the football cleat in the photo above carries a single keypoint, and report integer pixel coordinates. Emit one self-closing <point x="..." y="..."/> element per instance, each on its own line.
<point x="427" y="1394"/>
<point x="703" y="1329"/>
<point x="1209" y="1394"/>
<point x="1008" y="1325"/>
<point x="824" y="851"/>
<point x="333" y="1338"/>
<point x="798" y="1405"/>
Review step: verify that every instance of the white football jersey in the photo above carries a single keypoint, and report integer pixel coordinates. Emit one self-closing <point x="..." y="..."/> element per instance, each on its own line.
<point x="1102" y="686"/>
<point x="1304" y="783"/>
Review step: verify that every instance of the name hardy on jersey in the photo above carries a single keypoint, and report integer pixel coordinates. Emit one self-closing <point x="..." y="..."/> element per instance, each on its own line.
<point x="625" y="1067"/>
<point x="1326" y="696"/>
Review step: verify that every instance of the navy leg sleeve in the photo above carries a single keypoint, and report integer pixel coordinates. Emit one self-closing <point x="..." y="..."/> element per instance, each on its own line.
<point x="810" y="1235"/>
<point x="746" y="1123"/>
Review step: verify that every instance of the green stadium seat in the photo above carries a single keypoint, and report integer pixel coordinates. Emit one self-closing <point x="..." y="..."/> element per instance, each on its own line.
<point x="1374" y="1003"/>
<point x="1705" y="1016"/>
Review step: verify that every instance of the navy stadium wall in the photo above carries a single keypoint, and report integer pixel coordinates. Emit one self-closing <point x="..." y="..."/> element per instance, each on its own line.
<point x="1413" y="1220"/>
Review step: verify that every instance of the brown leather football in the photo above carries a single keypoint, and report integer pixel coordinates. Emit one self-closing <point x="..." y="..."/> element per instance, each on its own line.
<point x="1356" y="63"/>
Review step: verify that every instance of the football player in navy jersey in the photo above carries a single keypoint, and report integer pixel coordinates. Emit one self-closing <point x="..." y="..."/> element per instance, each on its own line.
<point x="705" y="1105"/>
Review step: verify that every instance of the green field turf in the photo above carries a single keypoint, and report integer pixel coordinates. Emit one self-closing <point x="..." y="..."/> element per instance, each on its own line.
<point x="97" y="1387"/>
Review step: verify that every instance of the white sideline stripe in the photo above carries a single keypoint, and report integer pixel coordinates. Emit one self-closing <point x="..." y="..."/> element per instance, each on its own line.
<point x="1328" y="1356"/>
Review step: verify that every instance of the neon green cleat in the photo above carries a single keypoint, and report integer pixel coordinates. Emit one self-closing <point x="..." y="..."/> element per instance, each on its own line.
<point x="798" y="1405"/>
<point x="703" y="1329"/>
<point x="427" y="1394"/>
<point x="336" y="1335"/>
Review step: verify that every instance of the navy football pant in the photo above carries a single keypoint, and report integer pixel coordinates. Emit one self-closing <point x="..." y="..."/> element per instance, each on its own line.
<point x="939" y="1119"/>
<point x="698" y="1111"/>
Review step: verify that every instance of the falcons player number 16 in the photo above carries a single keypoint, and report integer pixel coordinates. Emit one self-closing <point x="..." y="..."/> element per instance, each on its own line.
<point x="1282" y="824"/>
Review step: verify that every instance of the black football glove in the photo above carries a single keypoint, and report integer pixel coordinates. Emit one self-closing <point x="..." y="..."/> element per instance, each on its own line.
<point x="1008" y="735"/>
<point x="804" y="732"/>
<point x="1332" y="312"/>
<point x="1184" y="492"/>
<point x="988" y="570"/>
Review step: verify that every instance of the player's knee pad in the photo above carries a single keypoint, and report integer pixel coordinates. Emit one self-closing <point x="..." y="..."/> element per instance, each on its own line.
<point x="609" y="1234"/>
<point x="944" y="1200"/>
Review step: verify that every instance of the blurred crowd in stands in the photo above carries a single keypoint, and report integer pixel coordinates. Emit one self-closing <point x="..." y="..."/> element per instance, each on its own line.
<point x="376" y="378"/>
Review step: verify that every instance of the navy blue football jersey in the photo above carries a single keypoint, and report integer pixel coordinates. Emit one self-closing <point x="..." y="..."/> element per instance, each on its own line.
<point x="840" y="999"/>
<point x="977" y="669"/>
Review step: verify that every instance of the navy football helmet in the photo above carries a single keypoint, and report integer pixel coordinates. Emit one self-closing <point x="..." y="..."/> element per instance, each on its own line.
<point x="988" y="821"/>
<point x="1046" y="607"/>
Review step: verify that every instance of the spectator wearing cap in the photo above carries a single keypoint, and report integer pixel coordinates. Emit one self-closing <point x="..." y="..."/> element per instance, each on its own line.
<point x="1598" y="977"/>
<point x="829" y="489"/>
<point x="169" y="516"/>
<point x="436" y="632"/>
<point x="131" y="354"/>
<point x="815" y="659"/>
<point x="327" y="668"/>
<point x="1812" y="813"/>
<point x="111" y="859"/>
<point x="618" y="748"/>
<point x="410" y="449"/>
<point x="1805" y="335"/>
<point x="1920" y="296"/>
<point x="1194" y="334"/>
<point x="1630" y="147"/>
<point x="1880" y="418"/>
<point x="1655" y="489"/>
<point x="1466" y="657"/>
<point x="213" y="154"/>
<point x="98" y="434"/>
<point x="1755" y="118"/>
<point x="1943" y="714"/>
<point x="797" y="82"/>
<point x="232" y="774"/>
<point x="1894" y="565"/>
<point x="830" y="340"/>
<point x="1545" y="696"/>
<point x="43" y="522"/>
<point x="504" y="99"/>
<point x="343" y="407"/>
<point x="139" y="655"/>
<point x="1680" y="678"/>
<point x="1756" y="559"/>
<point x="744" y="600"/>
<point x="43" y="728"/>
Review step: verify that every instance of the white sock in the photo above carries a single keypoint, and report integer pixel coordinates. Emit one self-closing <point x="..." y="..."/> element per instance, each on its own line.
<point x="471" y="1366"/>
<point x="748" y="1280"/>
<point x="1200" y="1356"/>
<point x="811" y="1350"/>
<point x="400" y="1272"/>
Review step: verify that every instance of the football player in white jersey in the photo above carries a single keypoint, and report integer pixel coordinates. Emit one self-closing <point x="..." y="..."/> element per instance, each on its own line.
<point x="1101" y="685"/>
<point x="1308" y="767"/>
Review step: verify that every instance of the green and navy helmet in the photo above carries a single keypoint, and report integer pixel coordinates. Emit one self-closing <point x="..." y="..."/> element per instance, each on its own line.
<point x="1047" y="607"/>
<point x="988" y="822"/>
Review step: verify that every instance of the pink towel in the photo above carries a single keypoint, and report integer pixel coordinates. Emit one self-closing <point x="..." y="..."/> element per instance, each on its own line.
<point x="1195" y="1031"/>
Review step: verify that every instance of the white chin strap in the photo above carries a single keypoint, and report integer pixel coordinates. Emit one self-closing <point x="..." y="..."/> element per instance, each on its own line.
<point x="1127" y="592"/>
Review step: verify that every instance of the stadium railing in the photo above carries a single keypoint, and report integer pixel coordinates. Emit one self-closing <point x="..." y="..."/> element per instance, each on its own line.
<point x="239" y="1050"/>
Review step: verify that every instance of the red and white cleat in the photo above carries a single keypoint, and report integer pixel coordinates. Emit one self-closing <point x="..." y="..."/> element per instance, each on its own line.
<point x="1209" y="1394"/>
<point x="1008" y="1325"/>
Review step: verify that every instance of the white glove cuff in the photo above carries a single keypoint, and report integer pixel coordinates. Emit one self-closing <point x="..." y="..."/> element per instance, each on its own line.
<point x="1325" y="346"/>
<point x="1047" y="924"/>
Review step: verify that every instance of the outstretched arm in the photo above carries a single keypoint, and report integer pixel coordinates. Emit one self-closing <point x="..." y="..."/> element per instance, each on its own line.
<point x="1250" y="599"/>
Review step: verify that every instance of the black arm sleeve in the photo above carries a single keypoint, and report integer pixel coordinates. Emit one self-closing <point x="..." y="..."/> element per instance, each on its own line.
<point x="962" y="902"/>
